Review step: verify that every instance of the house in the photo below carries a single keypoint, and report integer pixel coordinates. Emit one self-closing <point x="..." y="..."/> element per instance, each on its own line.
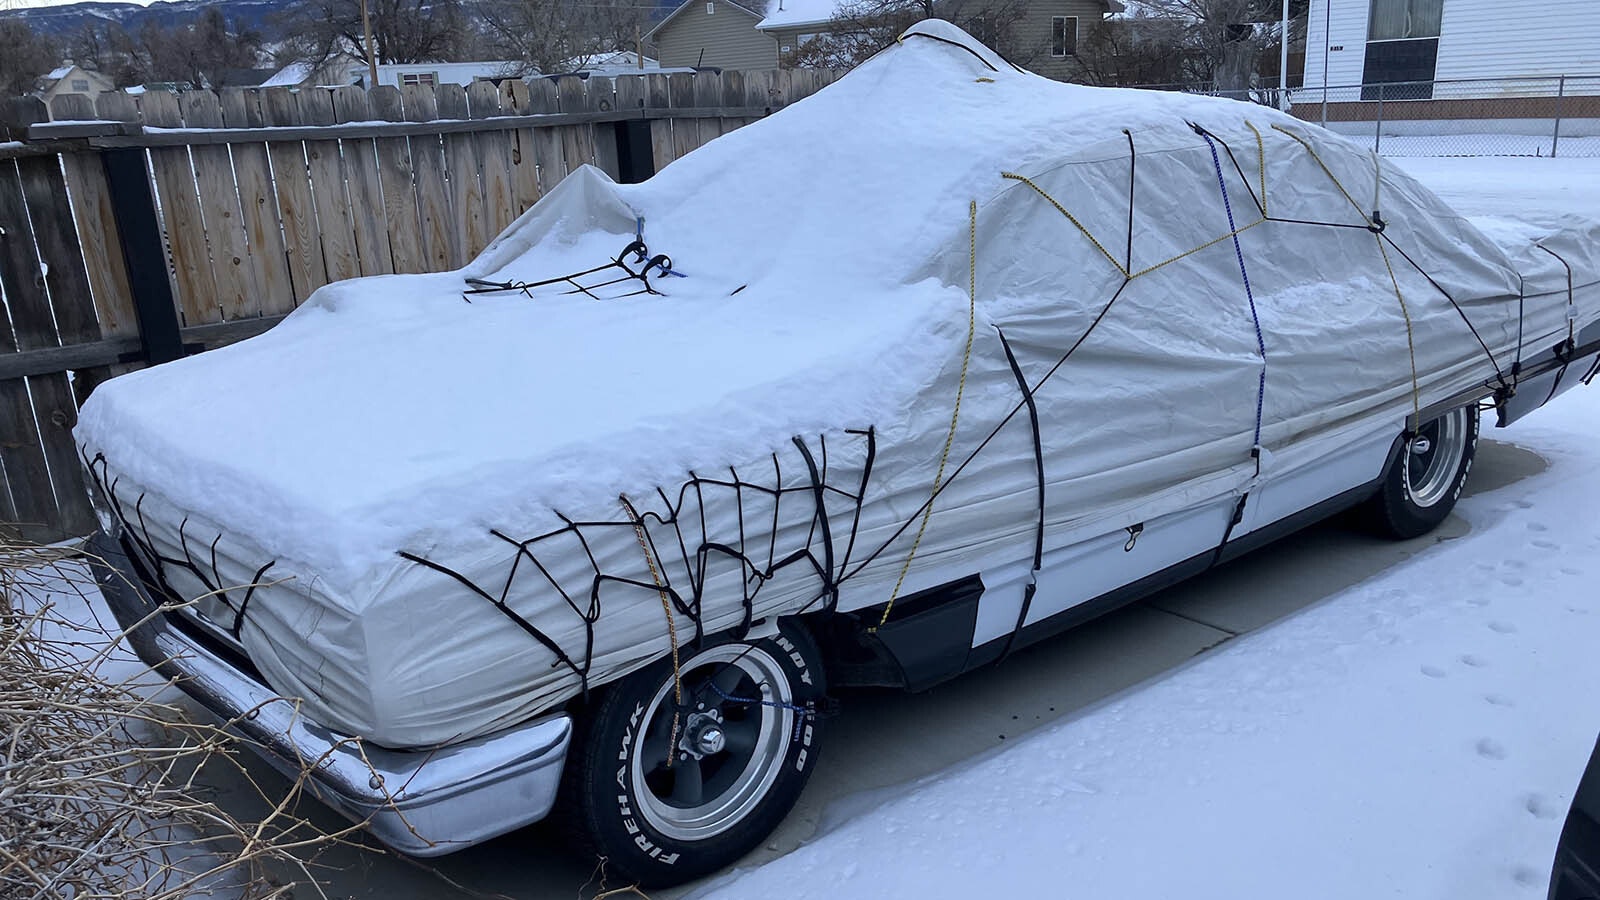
<point x="1418" y="42"/>
<point x="714" y="34"/>
<point x="1044" y="35"/>
<point x="72" y="79"/>
<point x="344" y="70"/>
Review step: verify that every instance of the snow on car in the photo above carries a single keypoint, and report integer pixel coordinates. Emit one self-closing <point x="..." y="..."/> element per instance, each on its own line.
<point x="938" y="362"/>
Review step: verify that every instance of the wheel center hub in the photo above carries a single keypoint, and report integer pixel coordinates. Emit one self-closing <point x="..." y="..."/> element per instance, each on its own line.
<point x="1421" y="445"/>
<point x="703" y="734"/>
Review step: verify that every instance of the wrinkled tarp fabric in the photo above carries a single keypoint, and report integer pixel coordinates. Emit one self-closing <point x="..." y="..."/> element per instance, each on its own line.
<point x="828" y="261"/>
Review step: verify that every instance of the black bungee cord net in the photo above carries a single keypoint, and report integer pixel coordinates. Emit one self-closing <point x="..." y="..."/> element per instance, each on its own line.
<point x="635" y="265"/>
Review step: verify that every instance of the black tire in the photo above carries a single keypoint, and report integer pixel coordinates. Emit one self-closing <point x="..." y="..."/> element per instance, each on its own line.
<point x="1425" y="477"/>
<point x="654" y="824"/>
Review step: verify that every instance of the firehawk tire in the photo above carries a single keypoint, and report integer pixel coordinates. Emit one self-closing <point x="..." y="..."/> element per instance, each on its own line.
<point x="743" y="745"/>
<point x="1423" y="484"/>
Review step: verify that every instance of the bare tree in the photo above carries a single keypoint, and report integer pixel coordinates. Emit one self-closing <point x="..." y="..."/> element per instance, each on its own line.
<point x="555" y="36"/>
<point x="198" y="54"/>
<point x="403" y="31"/>
<point x="860" y="28"/>
<point x="27" y="56"/>
<point x="1227" y="37"/>
<point x="1140" y="49"/>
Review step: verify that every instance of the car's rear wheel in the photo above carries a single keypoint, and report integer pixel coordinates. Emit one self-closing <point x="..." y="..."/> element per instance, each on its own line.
<point x="667" y="790"/>
<point x="1424" y="482"/>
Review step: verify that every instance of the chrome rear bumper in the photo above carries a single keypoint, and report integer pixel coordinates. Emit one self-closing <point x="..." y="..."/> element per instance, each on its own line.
<point x="423" y="803"/>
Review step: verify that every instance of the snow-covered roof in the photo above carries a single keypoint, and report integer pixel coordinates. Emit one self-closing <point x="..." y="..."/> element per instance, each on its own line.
<point x="60" y="72"/>
<point x="794" y="13"/>
<point x="289" y="75"/>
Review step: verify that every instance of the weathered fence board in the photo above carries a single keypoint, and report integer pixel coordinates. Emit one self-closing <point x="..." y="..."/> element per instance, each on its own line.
<point x="261" y="196"/>
<point x="296" y="212"/>
<point x="397" y="180"/>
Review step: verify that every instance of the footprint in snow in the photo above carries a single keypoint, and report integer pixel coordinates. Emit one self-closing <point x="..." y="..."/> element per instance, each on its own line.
<point x="1545" y="545"/>
<point x="1538" y="526"/>
<point x="1511" y="581"/>
<point x="1500" y="700"/>
<point x="1542" y="807"/>
<point x="1568" y="570"/>
<point x="1433" y="671"/>
<point x="1489" y="748"/>
<point x="1475" y="661"/>
<point x="1502" y="628"/>
<point x="1526" y="876"/>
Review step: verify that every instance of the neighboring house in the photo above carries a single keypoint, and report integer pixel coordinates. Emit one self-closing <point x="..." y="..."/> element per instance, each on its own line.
<point x="713" y="34"/>
<point x="72" y="79"/>
<point x="1048" y="31"/>
<point x="1371" y="42"/>
<point x="343" y="70"/>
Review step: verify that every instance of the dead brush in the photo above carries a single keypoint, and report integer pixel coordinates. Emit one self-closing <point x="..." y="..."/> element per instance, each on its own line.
<point x="101" y="794"/>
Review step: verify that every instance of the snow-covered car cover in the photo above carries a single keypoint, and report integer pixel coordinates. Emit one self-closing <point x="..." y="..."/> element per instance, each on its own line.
<point x="936" y="318"/>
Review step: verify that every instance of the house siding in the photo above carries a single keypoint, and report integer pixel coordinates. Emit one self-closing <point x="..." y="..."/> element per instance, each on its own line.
<point x="725" y="39"/>
<point x="1032" y="34"/>
<point x="1343" y="26"/>
<point x="1477" y="39"/>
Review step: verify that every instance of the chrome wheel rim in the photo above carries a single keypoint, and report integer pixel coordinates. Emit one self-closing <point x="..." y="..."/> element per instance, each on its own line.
<point x="1434" y="456"/>
<point x="730" y="744"/>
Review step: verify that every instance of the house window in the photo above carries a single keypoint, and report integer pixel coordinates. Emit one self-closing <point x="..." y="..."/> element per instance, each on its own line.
<point x="419" y="78"/>
<point x="1393" y="20"/>
<point x="710" y="8"/>
<point x="1402" y="49"/>
<point x="80" y="84"/>
<point x="1064" y="36"/>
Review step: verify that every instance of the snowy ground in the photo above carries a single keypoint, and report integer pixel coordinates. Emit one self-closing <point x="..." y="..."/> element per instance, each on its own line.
<point x="1418" y="736"/>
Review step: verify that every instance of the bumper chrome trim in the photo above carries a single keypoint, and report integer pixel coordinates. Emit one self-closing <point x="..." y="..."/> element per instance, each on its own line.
<point x="422" y="802"/>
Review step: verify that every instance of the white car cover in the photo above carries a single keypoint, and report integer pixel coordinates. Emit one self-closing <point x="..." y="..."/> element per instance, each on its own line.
<point x="435" y="499"/>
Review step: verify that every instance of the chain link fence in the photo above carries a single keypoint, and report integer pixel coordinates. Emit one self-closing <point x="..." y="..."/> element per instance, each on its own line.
<point x="1531" y="116"/>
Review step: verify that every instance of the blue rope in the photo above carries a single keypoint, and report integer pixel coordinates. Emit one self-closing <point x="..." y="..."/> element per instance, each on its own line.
<point x="773" y="703"/>
<point x="1261" y="344"/>
<point x="638" y="235"/>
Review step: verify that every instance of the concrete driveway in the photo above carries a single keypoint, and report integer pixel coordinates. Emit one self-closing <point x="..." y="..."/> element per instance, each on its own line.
<point x="883" y="740"/>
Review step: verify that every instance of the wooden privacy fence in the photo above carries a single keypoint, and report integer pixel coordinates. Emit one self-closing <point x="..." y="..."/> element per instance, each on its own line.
<point x="136" y="229"/>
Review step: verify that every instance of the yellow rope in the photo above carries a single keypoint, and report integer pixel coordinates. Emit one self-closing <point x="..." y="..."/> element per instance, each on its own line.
<point x="955" y="414"/>
<point x="1125" y="273"/>
<point x="1211" y="243"/>
<point x="1070" y="218"/>
<point x="1261" y="165"/>
<point x="1411" y="347"/>
<point x="1327" y="171"/>
<point x="672" y="625"/>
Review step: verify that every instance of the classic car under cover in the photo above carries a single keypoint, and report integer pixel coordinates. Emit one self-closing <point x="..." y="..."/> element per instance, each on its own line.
<point x="437" y="499"/>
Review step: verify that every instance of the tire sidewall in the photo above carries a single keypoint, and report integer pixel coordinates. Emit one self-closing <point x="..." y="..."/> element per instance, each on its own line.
<point x="1404" y="517"/>
<point x="607" y="790"/>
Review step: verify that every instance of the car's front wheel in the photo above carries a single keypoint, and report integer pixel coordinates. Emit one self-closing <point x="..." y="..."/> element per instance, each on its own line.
<point x="672" y="778"/>
<point x="1424" y="482"/>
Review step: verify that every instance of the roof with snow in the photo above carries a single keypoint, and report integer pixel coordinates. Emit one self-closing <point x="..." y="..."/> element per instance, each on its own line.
<point x="290" y="75"/>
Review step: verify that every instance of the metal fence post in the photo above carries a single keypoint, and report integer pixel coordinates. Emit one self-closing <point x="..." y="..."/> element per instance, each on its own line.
<point x="1561" y="92"/>
<point x="1377" y="133"/>
<point x="134" y="207"/>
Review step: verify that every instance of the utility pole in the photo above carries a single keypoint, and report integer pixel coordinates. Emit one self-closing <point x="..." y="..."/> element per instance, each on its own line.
<point x="366" y="38"/>
<point x="638" y="45"/>
<point x="1283" y="61"/>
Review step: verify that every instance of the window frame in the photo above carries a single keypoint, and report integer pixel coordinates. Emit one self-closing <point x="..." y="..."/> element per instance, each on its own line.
<point x="1068" y="48"/>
